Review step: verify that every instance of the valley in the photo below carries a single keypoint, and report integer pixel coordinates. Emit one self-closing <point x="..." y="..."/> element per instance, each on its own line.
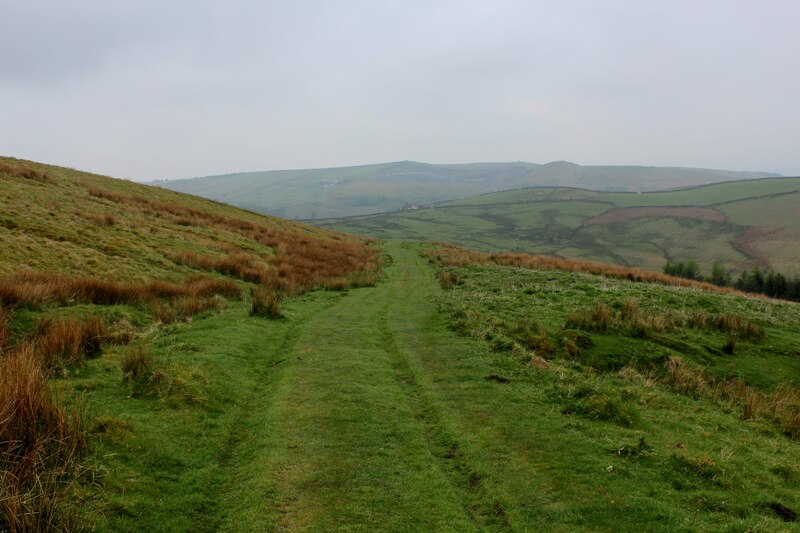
<point x="741" y="225"/>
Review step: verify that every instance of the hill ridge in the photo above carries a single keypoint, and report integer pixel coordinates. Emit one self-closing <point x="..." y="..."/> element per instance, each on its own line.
<point x="383" y="187"/>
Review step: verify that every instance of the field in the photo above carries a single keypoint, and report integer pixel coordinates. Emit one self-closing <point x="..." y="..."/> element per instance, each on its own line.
<point x="349" y="191"/>
<point x="742" y="225"/>
<point x="169" y="363"/>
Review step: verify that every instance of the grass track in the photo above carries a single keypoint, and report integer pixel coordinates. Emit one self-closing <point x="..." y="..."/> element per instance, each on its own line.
<point x="362" y="411"/>
<point x="355" y="441"/>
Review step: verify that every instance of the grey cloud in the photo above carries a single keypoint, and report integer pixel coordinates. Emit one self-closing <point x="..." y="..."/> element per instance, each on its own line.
<point x="176" y="89"/>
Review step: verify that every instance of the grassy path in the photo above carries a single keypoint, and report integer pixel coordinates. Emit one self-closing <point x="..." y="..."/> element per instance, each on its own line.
<point x="362" y="411"/>
<point x="350" y="438"/>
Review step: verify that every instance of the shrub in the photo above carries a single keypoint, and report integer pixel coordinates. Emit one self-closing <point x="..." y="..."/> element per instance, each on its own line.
<point x="264" y="302"/>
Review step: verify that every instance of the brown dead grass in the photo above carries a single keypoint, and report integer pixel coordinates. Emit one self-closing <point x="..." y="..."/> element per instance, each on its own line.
<point x="39" y="445"/>
<point x="5" y="331"/>
<point x="68" y="342"/>
<point x="449" y="255"/>
<point x="34" y="289"/>
<point x="301" y="262"/>
<point x="781" y="405"/>
<point x="26" y="173"/>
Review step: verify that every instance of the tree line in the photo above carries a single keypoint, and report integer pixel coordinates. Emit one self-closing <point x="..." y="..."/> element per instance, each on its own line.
<point x="771" y="283"/>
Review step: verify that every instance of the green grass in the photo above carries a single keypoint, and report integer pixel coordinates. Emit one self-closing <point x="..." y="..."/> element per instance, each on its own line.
<point x="744" y="224"/>
<point x="362" y="410"/>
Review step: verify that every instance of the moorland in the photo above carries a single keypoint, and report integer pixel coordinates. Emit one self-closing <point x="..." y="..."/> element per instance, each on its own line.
<point x="173" y="363"/>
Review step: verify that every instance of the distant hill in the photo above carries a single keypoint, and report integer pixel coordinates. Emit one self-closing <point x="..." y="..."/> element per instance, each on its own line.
<point x="361" y="190"/>
<point x="743" y="224"/>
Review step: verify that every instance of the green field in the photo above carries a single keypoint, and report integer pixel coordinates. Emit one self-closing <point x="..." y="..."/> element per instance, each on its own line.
<point x="348" y="191"/>
<point x="740" y="224"/>
<point x="418" y="397"/>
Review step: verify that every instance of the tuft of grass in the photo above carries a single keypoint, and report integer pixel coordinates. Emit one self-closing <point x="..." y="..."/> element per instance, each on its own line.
<point x="448" y="279"/>
<point x="599" y="319"/>
<point x="699" y="466"/>
<point x="608" y="407"/>
<point x="265" y="302"/>
<point x="67" y="342"/>
<point x="137" y="365"/>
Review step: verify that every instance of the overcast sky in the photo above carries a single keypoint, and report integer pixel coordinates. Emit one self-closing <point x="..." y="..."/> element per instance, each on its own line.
<point x="174" y="89"/>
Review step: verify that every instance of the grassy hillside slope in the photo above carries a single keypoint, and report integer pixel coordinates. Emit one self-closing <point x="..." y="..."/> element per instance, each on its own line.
<point x="62" y="220"/>
<point x="741" y="224"/>
<point x="337" y="192"/>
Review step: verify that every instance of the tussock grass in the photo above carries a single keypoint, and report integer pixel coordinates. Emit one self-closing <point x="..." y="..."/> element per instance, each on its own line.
<point x="265" y="302"/>
<point x="25" y="172"/>
<point x="300" y="262"/>
<point x="137" y="365"/>
<point x="448" y="279"/>
<point x="31" y="289"/>
<point x="5" y="333"/>
<point x="243" y="265"/>
<point x="39" y="446"/>
<point x="68" y="342"/>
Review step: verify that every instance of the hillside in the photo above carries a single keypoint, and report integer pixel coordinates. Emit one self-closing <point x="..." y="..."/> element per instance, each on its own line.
<point x="60" y="220"/>
<point x="338" y="192"/>
<point x="173" y="364"/>
<point x="741" y="224"/>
